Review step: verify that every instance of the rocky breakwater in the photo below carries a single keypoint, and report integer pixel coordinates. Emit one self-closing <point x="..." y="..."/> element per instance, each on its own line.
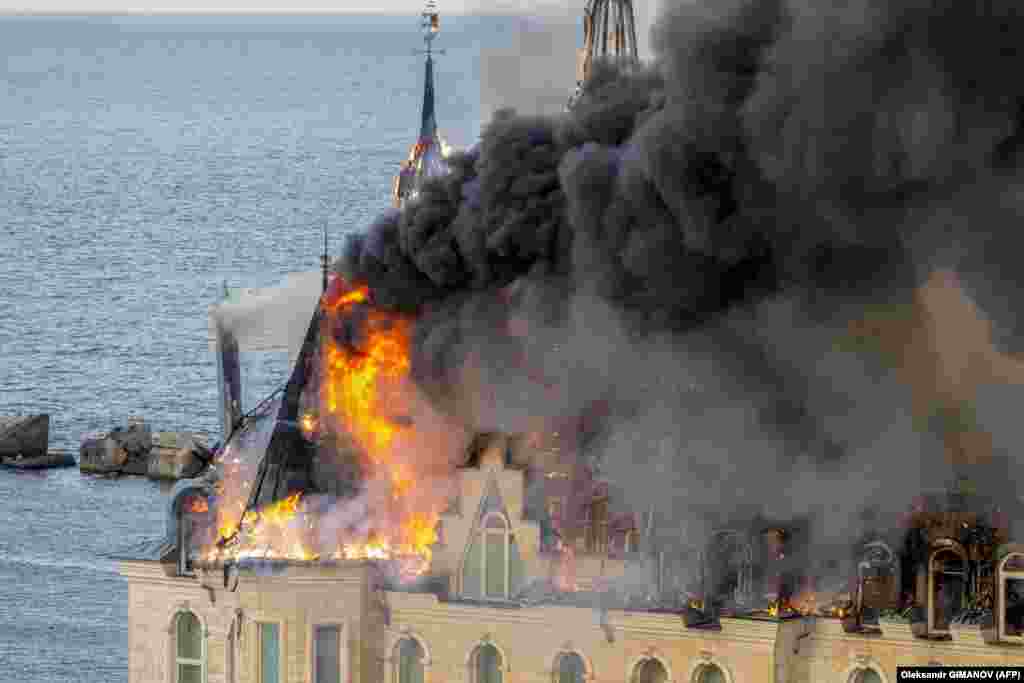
<point x="139" y="451"/>
<point x="25" y="442"/>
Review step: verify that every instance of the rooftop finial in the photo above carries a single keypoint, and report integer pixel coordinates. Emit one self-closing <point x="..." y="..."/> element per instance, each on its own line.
<point x="431" y="23"/>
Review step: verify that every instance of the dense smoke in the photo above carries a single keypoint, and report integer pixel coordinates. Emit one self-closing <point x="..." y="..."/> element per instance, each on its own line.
<point x="758" y="254"/>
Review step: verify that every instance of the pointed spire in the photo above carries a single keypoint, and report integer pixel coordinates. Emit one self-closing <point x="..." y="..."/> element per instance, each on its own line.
<point x="428" y="125"/>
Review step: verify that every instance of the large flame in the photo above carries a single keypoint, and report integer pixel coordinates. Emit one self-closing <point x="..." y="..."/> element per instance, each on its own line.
<point x="361" y="396"/>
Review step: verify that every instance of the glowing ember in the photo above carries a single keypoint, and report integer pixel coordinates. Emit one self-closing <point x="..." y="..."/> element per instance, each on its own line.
<point x="198" y="504"/>
<point x="308" y="424"/>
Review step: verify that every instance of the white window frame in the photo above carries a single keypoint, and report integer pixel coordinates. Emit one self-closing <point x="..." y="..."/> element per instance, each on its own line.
<point x="397" y="658"/>
<point x="178" y="661"/>
<point x="341" y="648"/>
<point x="861" y="669"/>
<point x="505" y="534"/>
<point x="556" y="670"/>
<point x="1002" y="576"/>
<point x="281" y="673"/>
<point x="474" y="657"/>
<point x="941" y="546"/>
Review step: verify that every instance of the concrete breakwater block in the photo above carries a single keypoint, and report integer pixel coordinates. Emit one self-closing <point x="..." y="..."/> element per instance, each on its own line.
<point x="139" y="451"/>
<point x="25" y="436"/>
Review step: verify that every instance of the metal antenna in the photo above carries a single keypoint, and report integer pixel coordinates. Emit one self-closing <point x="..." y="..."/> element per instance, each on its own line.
<point x="324" y="259"/>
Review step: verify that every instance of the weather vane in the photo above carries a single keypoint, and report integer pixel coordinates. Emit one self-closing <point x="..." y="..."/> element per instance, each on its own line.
<point x="431" y="24"/>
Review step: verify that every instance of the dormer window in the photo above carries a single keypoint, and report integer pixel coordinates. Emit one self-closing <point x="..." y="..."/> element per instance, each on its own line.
<point x="1010" y="597"/>
<point x="596" y="536"/>
<point x="632" y="542"/>
<point x="729" y="569"/>
<point x="877" y="587"/>
<point x="947" y="575"/>
<point x="193" y="525"/>
<point x="495" y="537"/>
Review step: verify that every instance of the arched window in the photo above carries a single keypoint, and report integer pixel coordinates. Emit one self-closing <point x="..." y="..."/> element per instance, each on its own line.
<point x="1010" y="598"/>
<point x="709" y="673"/>
<point x="595" y="537"/>
<point x="410" y="661"/>
<point x="486" y="664"/>
<point x="650" y="671"/>
<point x="570" y="668"/>
<point x="632" y="542"/>
<point x="189" y="655"/>
<point x="877" y="571"/>
<point x="946" y="585"/>
<point x="865" y="675"/>
<point x="495" y="556"/>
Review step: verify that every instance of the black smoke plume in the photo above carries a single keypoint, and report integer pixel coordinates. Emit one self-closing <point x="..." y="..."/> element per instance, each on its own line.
<point x="691" y="245"/>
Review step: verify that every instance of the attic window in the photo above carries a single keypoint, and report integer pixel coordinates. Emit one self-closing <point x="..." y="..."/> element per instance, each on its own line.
<point x="1010" y="600"/>
<point x="947" y="573"/>
<point x="876" y="572"/>
<point x="596" y="538"/>
<point x="192" y="513"/>
<point x="730" y="568"/>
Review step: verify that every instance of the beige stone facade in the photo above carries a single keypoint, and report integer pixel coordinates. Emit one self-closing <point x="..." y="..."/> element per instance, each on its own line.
<point x="476" y="610"/>
<point x="612" y="645"/>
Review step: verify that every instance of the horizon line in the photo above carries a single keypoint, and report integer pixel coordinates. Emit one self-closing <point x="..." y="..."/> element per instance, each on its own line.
<point x="302" y="12"/>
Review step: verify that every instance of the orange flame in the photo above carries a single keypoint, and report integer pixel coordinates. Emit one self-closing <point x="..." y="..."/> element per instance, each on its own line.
<point x="360" y="390"/>
<point x="198" y="504"/>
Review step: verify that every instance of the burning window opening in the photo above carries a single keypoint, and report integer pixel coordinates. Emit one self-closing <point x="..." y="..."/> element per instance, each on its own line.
<point x="947" y="588"/>
<point x="1010" y="599"/>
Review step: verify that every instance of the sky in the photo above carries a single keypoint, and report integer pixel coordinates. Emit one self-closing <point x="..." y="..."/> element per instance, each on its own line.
<point x="275" y="6"/>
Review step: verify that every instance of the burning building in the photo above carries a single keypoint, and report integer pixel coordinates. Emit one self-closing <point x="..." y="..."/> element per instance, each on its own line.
<point x="691" y="383"/>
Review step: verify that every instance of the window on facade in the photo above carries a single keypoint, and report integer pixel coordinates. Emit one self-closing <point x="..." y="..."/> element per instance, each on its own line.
<point x="709" y="673"/>
<point x="865" y="676"/>
<point x="410" y="661"/>
<point x="188" y="649"/>
<point x="326" y="654"/>
<point x="650" y="671"/>
<point x="1011" y="601"/>
<point x="632" y="542"/>
<point x="877" y="573"/>
<point x="570" y="668"/>
<point x="495" y="542"/>
<point x="729" y="567"/>
<point x="487" y="665"/>
<point x="596" y="537"/>
<point x="231" y="655"/>
<point x="184" y="539"/>
<point x="270" y="653"/>
<point x="555" y="509"/>
<point x="948" y="576"/>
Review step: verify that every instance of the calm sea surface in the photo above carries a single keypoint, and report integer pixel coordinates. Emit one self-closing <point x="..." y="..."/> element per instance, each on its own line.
<point x="143" y="162"/>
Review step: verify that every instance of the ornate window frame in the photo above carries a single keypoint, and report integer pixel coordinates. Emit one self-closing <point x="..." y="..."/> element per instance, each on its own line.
<point x="1002" y="576"/>
<point x="504" y="666"/>
<point x="568" y="648"/>
<point x="391" y="662"/>
<point x="633" y="669"/>
<point x="178" y="610"/>
<point x="941" y="545"/>
<point x="707" y="659"/>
